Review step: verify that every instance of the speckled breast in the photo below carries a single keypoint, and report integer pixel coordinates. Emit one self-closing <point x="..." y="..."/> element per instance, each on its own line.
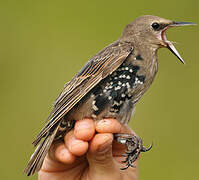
<point x="117" y="89"/>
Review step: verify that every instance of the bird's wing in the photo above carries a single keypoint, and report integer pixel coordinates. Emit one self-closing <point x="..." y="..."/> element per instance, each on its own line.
<point x="98" y="68"/>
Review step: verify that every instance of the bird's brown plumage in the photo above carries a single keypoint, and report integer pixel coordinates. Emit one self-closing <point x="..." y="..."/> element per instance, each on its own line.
<point x="98" y="68"/>
<point x="133" y="59"/>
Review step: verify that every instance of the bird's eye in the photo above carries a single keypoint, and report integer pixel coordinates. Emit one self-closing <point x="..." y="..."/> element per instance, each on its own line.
<point x="155" y="26"/>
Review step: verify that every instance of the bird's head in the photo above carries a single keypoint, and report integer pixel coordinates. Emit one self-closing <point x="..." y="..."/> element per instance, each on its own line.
<point x="151" y="30"/>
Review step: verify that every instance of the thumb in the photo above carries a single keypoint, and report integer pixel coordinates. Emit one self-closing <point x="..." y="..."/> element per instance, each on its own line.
<point x="100" y="158"/>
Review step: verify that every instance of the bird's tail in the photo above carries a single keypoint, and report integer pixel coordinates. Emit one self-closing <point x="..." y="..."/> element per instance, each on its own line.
<point x="37" y="158"/>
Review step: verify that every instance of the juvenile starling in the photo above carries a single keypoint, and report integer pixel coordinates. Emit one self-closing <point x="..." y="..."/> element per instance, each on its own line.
<point x="109" y="86"/>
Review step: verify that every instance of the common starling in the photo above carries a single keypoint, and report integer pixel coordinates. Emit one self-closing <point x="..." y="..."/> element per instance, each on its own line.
<point x="109" y="86"/>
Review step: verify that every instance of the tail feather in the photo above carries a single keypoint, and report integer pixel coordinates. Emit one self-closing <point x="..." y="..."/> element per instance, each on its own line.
<point x="37" y="158"/>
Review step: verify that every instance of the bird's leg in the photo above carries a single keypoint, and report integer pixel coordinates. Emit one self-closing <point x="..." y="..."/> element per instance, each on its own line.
<point x="134" y="147"/>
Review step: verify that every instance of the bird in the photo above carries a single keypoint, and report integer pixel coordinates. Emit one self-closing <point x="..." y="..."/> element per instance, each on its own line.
<point x="108" y="86"/>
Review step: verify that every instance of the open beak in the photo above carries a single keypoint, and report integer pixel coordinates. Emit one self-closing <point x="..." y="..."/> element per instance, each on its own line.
<point x="170" y="46"/>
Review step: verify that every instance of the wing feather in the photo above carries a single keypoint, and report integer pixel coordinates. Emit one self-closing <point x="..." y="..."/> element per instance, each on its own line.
<point x="98" y="68"/>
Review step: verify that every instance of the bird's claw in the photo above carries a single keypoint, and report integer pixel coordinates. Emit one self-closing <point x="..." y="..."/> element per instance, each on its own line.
<point x="146" y="149"/>
<point x="134" y="148"/>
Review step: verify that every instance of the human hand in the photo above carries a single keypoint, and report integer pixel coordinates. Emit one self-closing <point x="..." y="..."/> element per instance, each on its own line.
<point x="89" y="152"/>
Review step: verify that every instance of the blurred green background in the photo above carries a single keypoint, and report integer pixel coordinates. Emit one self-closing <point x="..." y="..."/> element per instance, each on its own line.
<point x="44" y="43"/>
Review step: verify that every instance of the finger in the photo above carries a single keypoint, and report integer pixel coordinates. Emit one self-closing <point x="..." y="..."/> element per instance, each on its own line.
<point x="101" y="162"/>
<point x="113" y="126"/>
<point x="75" y="146"/>
<point x="125" y="129"/>
<point x="57" y="158"/>
<point x="63" y="155"/>
<point x="84" y="129"/>
<point x="108" y="126"/>
<point x="119" y="149"/>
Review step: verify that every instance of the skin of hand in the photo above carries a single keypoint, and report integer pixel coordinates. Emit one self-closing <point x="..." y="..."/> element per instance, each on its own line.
<point x="89" y="152"/>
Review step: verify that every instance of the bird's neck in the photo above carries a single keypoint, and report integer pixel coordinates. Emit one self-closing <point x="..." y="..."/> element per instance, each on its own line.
<point x="145" y="56"/>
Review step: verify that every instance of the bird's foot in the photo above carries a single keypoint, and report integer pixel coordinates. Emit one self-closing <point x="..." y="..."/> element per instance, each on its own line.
<point x="134" y="148"/>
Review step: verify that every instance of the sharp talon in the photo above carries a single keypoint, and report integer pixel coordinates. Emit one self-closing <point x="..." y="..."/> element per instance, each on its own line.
<point x="125" y="167"/>
<point x="132" y="165"/>
<point x="128" y="152"/>
<point x="124" y="161"/>
<point x="133" y="148"/>
<point x="147" y="149"/>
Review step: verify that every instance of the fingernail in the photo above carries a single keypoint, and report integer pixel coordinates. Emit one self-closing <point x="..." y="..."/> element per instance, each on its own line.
<point x="84" y="125"/>
<point x="104" y="122"/>
<point x="108" y="125"/>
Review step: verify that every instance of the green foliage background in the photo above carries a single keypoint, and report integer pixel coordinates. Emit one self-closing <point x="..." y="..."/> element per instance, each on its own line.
<point x="44" y="43"/>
